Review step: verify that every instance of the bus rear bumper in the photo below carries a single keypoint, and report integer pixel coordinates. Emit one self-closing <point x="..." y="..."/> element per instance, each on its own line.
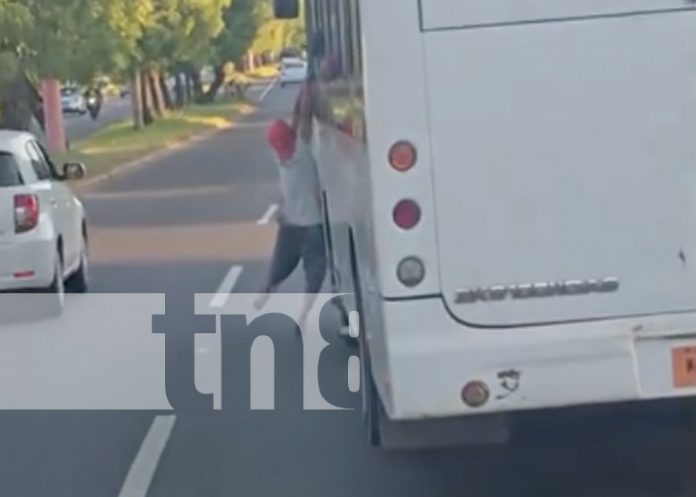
<point x="430" y="358"/>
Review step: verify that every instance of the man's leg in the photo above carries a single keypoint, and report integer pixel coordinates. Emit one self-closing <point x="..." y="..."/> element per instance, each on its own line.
<point x="286" y="257"/>
<point x="314" y="263"/>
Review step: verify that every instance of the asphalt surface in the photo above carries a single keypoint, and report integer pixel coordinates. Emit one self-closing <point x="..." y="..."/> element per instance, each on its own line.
<point x="177" y="227"/>
<point x="79" y="127"/>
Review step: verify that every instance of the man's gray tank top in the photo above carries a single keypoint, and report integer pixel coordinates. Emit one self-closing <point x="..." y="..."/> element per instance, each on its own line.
<point x="299" y="185"/>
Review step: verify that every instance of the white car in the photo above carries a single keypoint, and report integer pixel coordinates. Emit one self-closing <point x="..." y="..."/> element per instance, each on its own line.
<point x="72" y="101"/>
<point x="43" y="228"/>
<point x="292" y="70"/>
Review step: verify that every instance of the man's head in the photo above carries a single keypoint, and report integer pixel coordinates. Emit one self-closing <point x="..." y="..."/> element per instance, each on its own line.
<point x="282" y="139"/>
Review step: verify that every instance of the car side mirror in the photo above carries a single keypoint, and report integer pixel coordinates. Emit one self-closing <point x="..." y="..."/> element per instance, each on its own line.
<point x="286" y="9"/>
<point x="74" y="171"/>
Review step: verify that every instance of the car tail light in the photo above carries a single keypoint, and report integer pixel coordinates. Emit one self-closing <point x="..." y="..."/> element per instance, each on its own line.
<point x="402" y="156"/>
<point x="26" y="212"/>
<point x="23" y="274"/>
<point x="407" y="214"/>
<point x="411" y="271"/>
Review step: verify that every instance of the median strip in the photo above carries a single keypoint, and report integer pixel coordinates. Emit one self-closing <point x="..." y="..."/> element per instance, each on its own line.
<point x="119" y="147"/>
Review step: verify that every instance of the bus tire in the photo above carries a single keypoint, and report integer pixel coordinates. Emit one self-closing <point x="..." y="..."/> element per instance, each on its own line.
<point x="371" y="404"/>
<point x="372" y="410"/>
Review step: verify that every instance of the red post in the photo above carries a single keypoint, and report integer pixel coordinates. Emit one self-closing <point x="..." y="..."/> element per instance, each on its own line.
<point x="53" y="112"/>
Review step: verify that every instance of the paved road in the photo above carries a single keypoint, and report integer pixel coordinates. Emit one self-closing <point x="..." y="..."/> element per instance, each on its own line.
<point x="179" y="226"/>
<point x="80" y="127"/>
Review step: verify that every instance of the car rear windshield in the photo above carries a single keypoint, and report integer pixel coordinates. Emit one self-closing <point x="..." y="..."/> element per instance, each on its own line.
<point x="294" y="65"/>
<point x="9" y="170"/>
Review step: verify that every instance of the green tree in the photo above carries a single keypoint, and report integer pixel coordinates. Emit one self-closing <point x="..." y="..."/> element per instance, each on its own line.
<point x="15" y="22"/>
<point x="242" y="20"/>
<point x="61" y="39"/>
<point x="75" y="39"/>
<point x="179" y="37"/>
<point x="295" y="33"/>
<point x="275" y="34"/>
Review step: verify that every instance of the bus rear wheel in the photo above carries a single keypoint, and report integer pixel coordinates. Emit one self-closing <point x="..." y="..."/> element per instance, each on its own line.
<point x="372" y="410"/>
<point x="371" y="404"/>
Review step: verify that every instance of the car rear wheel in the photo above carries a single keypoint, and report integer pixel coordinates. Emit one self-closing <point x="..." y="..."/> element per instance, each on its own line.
<point x="79" y="280"/>
<point x="56" y="290"/>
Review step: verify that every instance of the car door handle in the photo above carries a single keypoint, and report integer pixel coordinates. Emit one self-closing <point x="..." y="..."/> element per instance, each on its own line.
<point x="54" y="202"/>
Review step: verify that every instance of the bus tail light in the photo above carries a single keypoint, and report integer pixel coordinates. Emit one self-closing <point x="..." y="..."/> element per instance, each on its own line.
<point x="407" y="214"/>
<point x="402" y="156"/>
<point x="26" y="212"/>
<point x="475" y="394"/>
<point x="411" y="271"/>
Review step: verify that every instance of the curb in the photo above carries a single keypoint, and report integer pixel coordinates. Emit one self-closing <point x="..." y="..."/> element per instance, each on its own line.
<point x="86" y="185"/>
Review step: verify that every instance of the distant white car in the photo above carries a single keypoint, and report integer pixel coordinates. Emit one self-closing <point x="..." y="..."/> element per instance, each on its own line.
<point x="292" y="70"/>
<point x="43" y="228"/>
<point x="73" y="101"/>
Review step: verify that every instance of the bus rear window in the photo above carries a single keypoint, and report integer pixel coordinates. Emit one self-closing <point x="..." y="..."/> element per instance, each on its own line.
<point x="9" y="170"/>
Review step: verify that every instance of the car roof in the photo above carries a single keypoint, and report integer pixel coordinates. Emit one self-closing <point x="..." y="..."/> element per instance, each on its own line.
<point x="11" y="141"/>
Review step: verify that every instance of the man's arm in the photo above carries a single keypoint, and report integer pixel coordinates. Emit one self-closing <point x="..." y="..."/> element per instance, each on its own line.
<point x="303" y="112"/>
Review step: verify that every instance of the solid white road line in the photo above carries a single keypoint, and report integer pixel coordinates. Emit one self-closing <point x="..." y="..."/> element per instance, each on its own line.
<point x="145" y="463"/>
<point x="268" y="89"/>
<point x="268" y="216"/>
<point x="223" y="292"/>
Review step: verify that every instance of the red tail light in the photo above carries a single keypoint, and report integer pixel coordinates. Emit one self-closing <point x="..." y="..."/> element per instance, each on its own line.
<point x="26" y="212"/>
<point x="407" y="214"/>
<point x="402" y="156"/>
<point x="23" y="274"/>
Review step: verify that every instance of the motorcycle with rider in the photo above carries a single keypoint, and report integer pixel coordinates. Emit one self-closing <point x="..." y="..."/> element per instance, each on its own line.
<point x="94" y="101"/>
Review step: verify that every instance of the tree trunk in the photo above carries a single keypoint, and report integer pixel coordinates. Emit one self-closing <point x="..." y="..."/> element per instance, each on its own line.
<point x="156" y="92"/>
<point x="188" y="86"/>
<point x="180" y="89"/>
<point x="148" y="117"/>
<point x="136" y="100"/>
<point x="53" y="112"/>
<point x="216" y="84"/>
<point x="196" y="83"/>
<point x="164" y="89"/>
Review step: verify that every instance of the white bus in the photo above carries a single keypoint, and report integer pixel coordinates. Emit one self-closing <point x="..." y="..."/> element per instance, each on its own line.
<point x="511" y="195"/>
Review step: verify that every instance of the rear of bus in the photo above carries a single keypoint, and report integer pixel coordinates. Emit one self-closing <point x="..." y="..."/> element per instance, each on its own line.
<point x="553" y="189"/>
